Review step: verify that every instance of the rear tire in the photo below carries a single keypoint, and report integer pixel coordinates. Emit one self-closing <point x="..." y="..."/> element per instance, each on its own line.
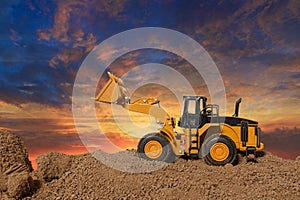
<point x="155" y="147"/>
<point x="219" y="150"/>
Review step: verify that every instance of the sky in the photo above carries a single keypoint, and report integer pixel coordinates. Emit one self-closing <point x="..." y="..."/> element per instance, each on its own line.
<point x="254" y="44"/>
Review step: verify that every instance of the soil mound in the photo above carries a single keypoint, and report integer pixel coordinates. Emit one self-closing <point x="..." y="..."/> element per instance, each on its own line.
<point x="15" y="180"/>
<point x="53" y="165"/>
<point x="85" y="177"/>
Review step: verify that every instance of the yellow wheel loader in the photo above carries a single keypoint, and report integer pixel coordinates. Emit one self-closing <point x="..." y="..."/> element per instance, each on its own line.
<point x="205" y="134"/>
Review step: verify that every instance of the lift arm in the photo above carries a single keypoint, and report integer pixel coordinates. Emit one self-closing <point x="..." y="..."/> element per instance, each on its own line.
<point x="114" y="92"/>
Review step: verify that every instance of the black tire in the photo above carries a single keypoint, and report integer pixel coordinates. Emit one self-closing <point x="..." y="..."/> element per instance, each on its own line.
<point x="167" y="154"/>
<point x="222" y="140"/>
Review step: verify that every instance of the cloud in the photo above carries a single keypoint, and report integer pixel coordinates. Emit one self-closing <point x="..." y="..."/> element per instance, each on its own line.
<point x="122" y="141"/>
<point x="249" y="28"/>
<point x="44" y="34"/>
<point x="283" y="142"/>
<point x="89" y="41"/>
<point x="295" y="75"/>
<point x="34" y="111"/>
<point x="69" y="15"/>
<point x="108" y="52"/>
<point x="53" y="135"/>
<point x="15" y="37"/>
<point x="66" y="57"/>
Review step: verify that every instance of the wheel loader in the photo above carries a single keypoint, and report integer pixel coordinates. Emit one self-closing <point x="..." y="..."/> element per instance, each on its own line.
<point x="205" y="134"/>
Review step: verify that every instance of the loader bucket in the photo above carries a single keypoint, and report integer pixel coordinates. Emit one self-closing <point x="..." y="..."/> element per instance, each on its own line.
<point x="114" y="91"/>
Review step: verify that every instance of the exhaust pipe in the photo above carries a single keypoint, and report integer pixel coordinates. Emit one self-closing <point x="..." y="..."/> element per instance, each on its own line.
<point x="237" y="105"/>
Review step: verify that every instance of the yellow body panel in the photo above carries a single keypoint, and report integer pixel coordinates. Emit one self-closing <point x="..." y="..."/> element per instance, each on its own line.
<point x="232" y="132"/>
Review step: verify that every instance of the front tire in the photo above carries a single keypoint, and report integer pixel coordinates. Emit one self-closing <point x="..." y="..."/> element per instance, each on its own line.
<point x="155" y="147"/>
<point x="219" y="150"/>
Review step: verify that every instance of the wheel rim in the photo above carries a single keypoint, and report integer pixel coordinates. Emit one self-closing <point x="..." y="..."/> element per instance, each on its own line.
<point x="153" y="149"/>
<point x="219" y="151"/>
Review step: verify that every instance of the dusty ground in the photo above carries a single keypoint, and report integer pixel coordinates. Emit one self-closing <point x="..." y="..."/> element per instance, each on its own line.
<point x="84" y="177"/>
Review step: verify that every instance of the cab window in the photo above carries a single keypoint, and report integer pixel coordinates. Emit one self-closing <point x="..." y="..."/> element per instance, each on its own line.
<point x="191" y="107"/>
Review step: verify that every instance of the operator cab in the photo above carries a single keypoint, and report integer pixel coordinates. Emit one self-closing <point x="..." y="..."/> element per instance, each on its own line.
<point x="191" y="116"/>
<point x="196" y="112"/>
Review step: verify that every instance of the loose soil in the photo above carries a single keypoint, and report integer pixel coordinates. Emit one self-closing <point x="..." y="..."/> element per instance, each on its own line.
<point x="62" y="176"/>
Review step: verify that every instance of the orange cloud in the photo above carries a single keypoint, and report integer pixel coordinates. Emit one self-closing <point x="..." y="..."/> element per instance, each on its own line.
<point x="61" y="23"/>
<point x="107" y="52"/>
<point x="122" y="141"/>
<point x="89" y="42"/>
<point x="15" y="37"/>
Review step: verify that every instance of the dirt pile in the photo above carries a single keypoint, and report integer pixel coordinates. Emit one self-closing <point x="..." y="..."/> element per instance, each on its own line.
<point x="53" y="165"/>
<point x="84" y="177"/>
<point x="15" y="168"/>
